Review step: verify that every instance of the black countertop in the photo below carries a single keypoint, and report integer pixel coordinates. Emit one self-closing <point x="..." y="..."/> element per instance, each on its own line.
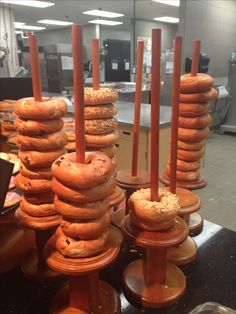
<point x="211" y="278"/>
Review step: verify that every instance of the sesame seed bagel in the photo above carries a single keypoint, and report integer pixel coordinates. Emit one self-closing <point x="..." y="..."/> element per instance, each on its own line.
<point x="100" y="111"/>
<point x="100" y="126"/>
<point x="101" y="96"/>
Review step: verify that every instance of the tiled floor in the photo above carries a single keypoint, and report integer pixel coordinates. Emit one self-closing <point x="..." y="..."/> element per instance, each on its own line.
<point x="219" y="196"/>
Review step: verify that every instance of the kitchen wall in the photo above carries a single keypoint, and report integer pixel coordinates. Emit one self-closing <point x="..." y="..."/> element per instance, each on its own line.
<point x="214" y="23"/>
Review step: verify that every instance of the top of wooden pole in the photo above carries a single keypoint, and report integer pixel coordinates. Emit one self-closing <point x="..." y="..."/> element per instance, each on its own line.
<point x="175" y="112"/>
<point x="95" y="64"/>
<point x="155" y="112"/>
<point x="137" y="103"/>
<point x="195" y="58"/>
<point x="35" y="69"/>
<point x="78" y="74"/>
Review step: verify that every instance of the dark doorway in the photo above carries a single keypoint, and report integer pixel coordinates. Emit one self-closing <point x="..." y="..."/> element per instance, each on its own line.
<point x="117" y="60"/>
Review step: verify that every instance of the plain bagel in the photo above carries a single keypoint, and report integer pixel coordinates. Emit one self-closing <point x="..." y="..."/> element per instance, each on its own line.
<point x="201" y="97"/>
<point x="191" y="146"/>
<point x="195" y="123"/>
<point x="190" y="155"/>
<point x="103" y="140"/>
<point x="39" y="210"/>
<point x="193" y="84"/>
<point x="48" y="108"/>
<point x="192" y="135"/>
<point x="96" y="170"/>
<point x="186" y="175"/>
<point x="193" y="109"/>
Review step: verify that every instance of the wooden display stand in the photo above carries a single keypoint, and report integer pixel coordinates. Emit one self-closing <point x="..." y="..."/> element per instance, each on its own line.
<point x="195" y="221"/>
<point x="86" y="293"/>
<point x="185" y="252"/>
<point x="152" y="281"/>
<point x="33" y="265"/>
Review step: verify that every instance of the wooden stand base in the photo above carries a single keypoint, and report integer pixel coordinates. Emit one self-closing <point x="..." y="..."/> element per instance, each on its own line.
<point x="195" y="224"/>
<point x="184" y="253"/>
<point x="152" y="282"/>
<point x="194" y="185"/>
<point x="85" y="294"/>
<point x="156" y="295"/>
<point x="109" y="301"/>
<point x="31" y="268"/>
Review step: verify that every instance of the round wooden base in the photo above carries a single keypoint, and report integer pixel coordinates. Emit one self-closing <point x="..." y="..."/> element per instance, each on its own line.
<point x="184" y="253"/>
<point x="126" y="180"/>
<point x="32" y="270"/>
<point x="194" y="185"/>
<point x="195" y="224"/>
<point x="189" y="202"/>
<point x="37" y="223"/>
<point x="156" y="295"/>
<point x="109" y="304"/>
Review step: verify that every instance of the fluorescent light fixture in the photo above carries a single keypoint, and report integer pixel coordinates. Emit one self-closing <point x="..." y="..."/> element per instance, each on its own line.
<point x="174" y="3"/>
<point x="105" y="22"/>
<point x="30" y="3"/>
<point x="18" y="24"/>
<point x="33" y="28"/>
<point x="167" y="19"/>
<point x="103" y="13"/>
<point x="54" y="22"/>
<point x="18" y="32"/>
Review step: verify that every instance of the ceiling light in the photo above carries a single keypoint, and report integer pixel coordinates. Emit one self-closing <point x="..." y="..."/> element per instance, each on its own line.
<point x="33" y="28"/>
<point x="18" y="24"/>
<point x="167" y="19"/>
<point x="105" y="22"/>
<point x="18" y="32"/>
<point x="30" y="3"/>
<point x="54" y="22"/>
<point x="103" y="13"/>
<point x="174" y="3"/>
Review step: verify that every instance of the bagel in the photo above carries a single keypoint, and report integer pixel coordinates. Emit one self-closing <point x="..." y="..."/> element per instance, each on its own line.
<point x="101" y="96"/>
<point x="100" y="111"/>
<point x="70" y="132"/>
<point x="202" y="97"/>
<point x="79" y="248"/>
<point x="193" y="84"/>
<point x="81" y="211"/>
<point x="85" y="229"/>
<point x="109" y="151"/>
<point x="42" y="143"/>
<point x="48" y="108"/>
<point x="192" y="135"/>
<point x="83" y="196"/>
<point x="117" y="196"/>
<point x="100" y="126"/>
<point x="191" y="146"/>
<point x="33" y="127"/>
<point x="190" y="155"/>
<point x="42" y="198"/>
<point x="187" y="176"/>
<point x="193" y="110"/>
<point x="8" y="125"/>
<point x="33" y="186"/>
<point x="195" y="123"/>
<point x="36" y="159"/>
<point x="70" y="147"/>
<point x="103" y="140"/>
<point x="36" y="173"/>
<point x="39" y="210"/>
<point x="154" y="213"/>
<point x="148" y="225"/>
<point x="96" y="170"/>
<point x="188" y="165"/>
<point x="6" y="105"/>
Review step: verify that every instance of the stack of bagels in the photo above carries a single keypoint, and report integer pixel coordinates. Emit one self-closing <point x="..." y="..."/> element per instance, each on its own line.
<point x="194" y="121"/>
<point x="40" y="141"/>
<point x="82" y="198"/>
<point x="100" y="125"/>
